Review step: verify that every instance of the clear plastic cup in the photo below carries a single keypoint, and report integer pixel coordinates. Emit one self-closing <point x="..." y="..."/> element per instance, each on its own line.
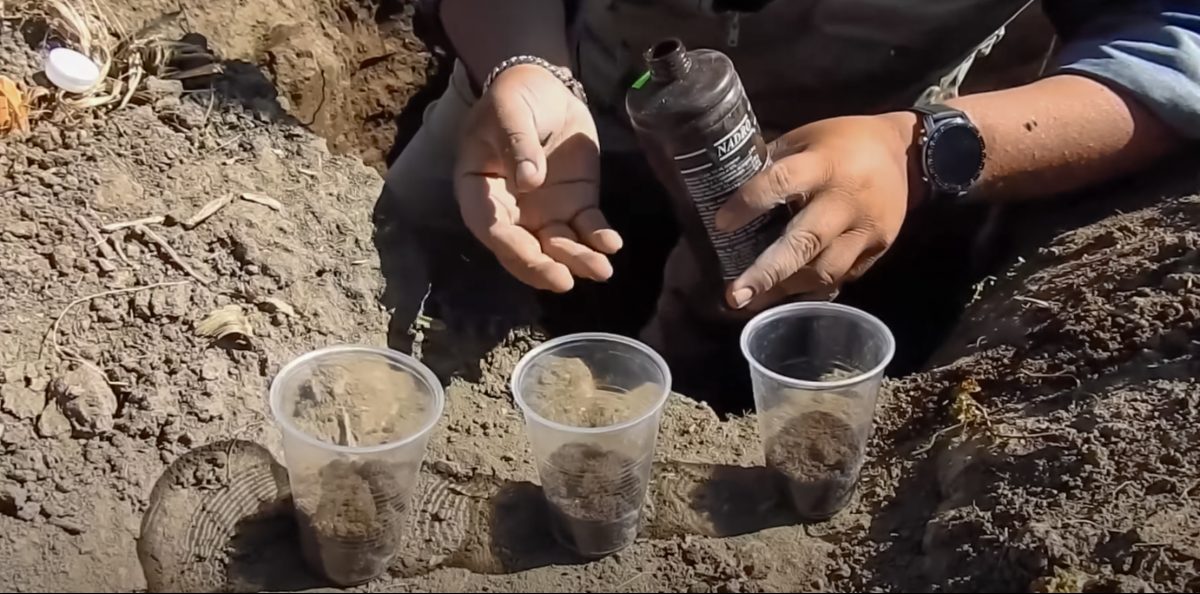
<point x="592" y="404"/>
<point x="355" y="423"/>
<point x="816" y="370"/>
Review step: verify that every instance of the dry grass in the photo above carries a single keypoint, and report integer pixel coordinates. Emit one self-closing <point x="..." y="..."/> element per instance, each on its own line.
<point x="126" y="57"/>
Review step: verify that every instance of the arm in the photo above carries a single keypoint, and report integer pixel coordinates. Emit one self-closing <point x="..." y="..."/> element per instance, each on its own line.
<point x="1126" y="93"/>
<point x="528" y="166"/>
<point x="487" y="32"/>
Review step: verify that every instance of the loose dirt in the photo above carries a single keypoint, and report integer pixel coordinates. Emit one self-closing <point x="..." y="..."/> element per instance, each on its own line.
<point x="818" y="454"/>
<point x="1052" y="443"/>
<point x="359" y="403"/>
<point x="564" y="391"/>
<point x="351" y="520"/>
<point x="595" y="497"/>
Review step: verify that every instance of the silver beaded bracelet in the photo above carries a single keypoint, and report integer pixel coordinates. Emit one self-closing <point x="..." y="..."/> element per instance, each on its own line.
<point x="562" y="74"/>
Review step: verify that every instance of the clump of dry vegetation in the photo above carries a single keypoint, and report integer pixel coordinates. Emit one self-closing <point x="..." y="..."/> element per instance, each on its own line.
<point x="126" y="58"/>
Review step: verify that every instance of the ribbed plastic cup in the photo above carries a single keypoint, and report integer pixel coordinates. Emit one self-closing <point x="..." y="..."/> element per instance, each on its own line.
<point x="592" y="404"/>
<point x="816" y="370"/>
<point x="355" y="421"/>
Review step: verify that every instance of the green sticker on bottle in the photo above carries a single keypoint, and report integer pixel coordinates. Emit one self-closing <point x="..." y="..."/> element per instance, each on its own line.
<point x="642" y="80"/>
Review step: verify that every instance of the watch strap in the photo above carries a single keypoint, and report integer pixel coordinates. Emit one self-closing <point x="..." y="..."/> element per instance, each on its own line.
<point x="937" y="111"/>
<point x="932" y="115"/>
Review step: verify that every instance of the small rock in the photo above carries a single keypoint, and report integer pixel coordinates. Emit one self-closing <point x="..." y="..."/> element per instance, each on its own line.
<point x="12" y="499"/>
<point x="1095" y="455"/>
<point x="167" y="104"/>
<point x="15" y="435"/>
<point x="207" y="406"/>
<point x="51" y="509"/>
<point x="63" y="257"/>
<point x="29" y="511"/>
<point x="165" y="87"/>
<point x="191" y="115"/>
<point x="449" y="469"/>
<point x="14" y="374"/>
<point x="53" y="423"/>
<point x="20" y="401"/>
<point x="86" y="400"/>
<point x="106" y="310"/>
<point x="69" y="525"/>
<point x="21" y="476"/>
<point x="22" y="229"/>
<point x="214" y="367"/>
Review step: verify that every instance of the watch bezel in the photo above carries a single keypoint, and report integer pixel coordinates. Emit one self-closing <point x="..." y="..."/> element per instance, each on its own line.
<point x="929" y="144"/>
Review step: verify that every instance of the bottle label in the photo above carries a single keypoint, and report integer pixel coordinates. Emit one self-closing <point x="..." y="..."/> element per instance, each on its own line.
<point x="710" y="174"/>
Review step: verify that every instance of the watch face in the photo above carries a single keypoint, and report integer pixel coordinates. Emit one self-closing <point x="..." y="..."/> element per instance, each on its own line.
<point x="957" y="156"/>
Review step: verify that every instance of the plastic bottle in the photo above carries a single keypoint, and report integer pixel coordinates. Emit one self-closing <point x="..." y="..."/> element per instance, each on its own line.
<point x="698" y="131"/>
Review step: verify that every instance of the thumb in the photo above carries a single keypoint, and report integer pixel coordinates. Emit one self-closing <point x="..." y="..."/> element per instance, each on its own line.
<point x="518" y="141"/>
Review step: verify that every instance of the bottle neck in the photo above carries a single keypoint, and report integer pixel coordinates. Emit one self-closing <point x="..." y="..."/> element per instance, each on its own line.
<point x="668" y="61"/>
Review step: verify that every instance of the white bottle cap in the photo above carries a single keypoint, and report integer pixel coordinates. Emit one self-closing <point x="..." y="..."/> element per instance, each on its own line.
<point x="71" y="71"/>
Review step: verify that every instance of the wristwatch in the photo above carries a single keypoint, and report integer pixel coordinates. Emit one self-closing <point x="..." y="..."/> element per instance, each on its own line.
<point x="952" y="151"/>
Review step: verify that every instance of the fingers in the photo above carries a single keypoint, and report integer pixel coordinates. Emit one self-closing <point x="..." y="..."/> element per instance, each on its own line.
<point x="791" y="179"/>
<point x="830" y="268"/>
<point x="560" y="243"/>
<point x="517" y="139"/>
<point x="593" y="229"/>
<point x="808" y="233"/>
<point x="487" y="211"/>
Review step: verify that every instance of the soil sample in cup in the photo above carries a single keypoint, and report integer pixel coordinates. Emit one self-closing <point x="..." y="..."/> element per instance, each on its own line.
<point x="594" y="491"/>
<point x="818" y="453"/>
<point x="352" y="530"/>
<point x="595" y="496"/>
<point x="351" y="500"/>
<point x="565" y="392"/>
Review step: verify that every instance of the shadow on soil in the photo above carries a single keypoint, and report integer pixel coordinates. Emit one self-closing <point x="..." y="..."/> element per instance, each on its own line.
<point x="239" y="543"/>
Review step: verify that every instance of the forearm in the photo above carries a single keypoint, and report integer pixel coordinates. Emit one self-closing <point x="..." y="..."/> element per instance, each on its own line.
<point x="1060" y="134"/>
<point x="487" y="32"/>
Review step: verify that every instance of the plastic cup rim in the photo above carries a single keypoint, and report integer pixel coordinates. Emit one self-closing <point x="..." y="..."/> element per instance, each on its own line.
<point x="772" y="314"/>
<point x="541" y="349"/>
<point x="409" y="363"/>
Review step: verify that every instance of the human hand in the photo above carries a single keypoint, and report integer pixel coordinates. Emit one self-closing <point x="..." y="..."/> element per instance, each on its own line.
<point x="527" y="181"/>
<point x="849" y="181"/>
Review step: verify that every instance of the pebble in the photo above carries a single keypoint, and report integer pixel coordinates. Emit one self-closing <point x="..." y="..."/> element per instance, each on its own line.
<point x="69" y="525"/>
<point x="86" y="400"/>
<point x="53" y="423"/>
<point x="14" y="435"/>
<point x="29" y="511"/>
<point x="51" y="509"/>
<point x="22" y="229"/>
<point x="20" y="401"/>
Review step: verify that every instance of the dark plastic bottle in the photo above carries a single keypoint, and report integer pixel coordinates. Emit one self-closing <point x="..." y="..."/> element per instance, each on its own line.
<point x="697" y="129"/>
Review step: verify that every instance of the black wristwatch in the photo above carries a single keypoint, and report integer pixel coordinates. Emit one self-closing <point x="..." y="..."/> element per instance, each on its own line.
<point x="952" y="151"/>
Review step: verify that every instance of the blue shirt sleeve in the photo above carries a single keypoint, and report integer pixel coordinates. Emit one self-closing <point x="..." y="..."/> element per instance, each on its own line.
<point x="1149" y="49"/>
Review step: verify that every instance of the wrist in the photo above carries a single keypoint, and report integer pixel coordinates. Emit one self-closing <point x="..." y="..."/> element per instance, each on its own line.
<point x="529" y="64"/>
<point x="907" y="128"/>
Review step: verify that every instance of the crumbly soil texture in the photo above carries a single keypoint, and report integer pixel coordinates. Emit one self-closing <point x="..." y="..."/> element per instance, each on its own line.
<point x="1051" y="446"/>
<point x="817" y="455"/>
<point x="351" y="518"/>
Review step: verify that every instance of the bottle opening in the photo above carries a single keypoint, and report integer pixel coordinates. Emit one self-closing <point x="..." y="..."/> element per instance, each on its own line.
<point x="668" y="60"/>
<point x="663" y="49"/>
